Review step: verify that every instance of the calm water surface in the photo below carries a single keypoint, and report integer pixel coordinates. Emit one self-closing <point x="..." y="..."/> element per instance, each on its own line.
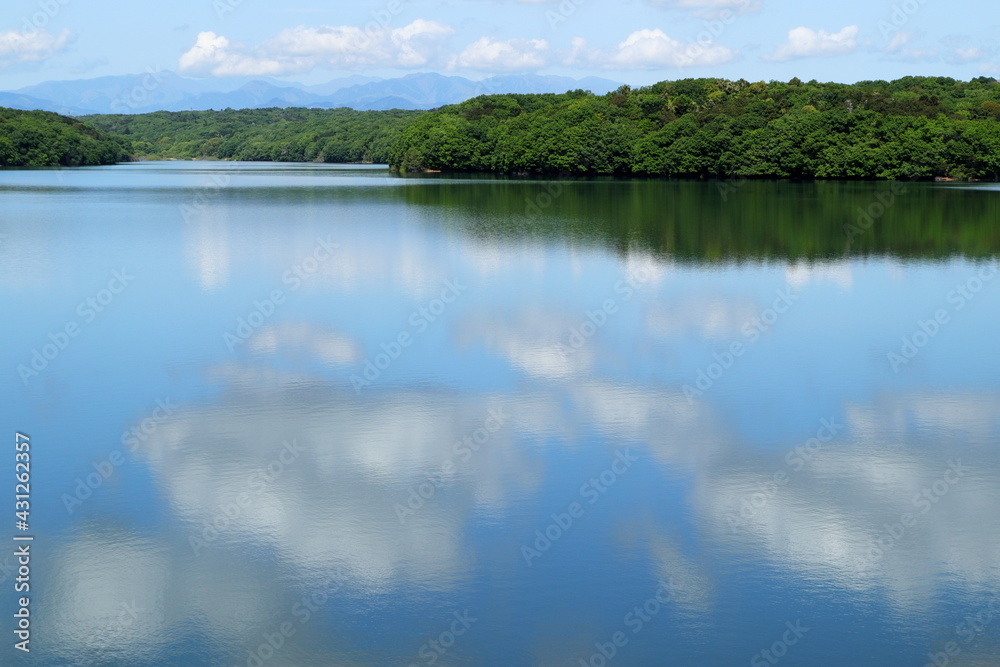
<point x="319" y="415"/>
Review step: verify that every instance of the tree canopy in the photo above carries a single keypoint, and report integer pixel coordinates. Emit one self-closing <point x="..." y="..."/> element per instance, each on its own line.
<point x="910" y="128"/>
<point x="914" y="127"/>
<point x="281" y="135"/>
<point x="45" y="139"/>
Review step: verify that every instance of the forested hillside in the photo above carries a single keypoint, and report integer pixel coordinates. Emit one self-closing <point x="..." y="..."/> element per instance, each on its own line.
<point x="284" y="135"/>
<point x="44" y="139"/>
<point x="915" y="127"/>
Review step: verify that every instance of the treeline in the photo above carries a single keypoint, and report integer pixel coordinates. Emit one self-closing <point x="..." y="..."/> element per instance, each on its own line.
<point x="282" y="135"/>
<point x="914" y="127"/>
<point x="45" y="139"/>
<point x="910" y="128"/>
<point x="736" y="220"/>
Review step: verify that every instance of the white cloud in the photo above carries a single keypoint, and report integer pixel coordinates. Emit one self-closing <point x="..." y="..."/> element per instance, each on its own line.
<point x="303" y="340"/>
<point x="17" y="46"/>
<point x="211" y="54"/>
<point x="945" y="52"/>
<point x="712" y="8"/>
<point x="798" y="274"/>
<point x="350" y="47"/>
<point x="652" y="49"/>
<point x="496" y="55"/>
<point x="899" y="40"/>
<point x="302" y="49"/>
<point x="578" y="52"/>
<point x="805" y="42"/>
<point x="919" y="55"/>
<point x="709" y="316"/>
<point x="961" y="56"/>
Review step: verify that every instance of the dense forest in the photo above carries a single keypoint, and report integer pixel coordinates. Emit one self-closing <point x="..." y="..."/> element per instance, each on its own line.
<point x="736" y="220"/>
<point x="282" y="135"/>
<point x="44" y="139"/>
<point x="915" y="127"/>
<point x="910" y="128"/>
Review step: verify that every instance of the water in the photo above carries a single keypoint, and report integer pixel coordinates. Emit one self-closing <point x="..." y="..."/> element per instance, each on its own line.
<point x="319" y="415"/>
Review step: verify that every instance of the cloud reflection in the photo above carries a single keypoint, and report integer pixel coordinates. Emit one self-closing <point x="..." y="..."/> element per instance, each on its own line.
<point x="331" y="508"/>
<point x="839" y="518"/>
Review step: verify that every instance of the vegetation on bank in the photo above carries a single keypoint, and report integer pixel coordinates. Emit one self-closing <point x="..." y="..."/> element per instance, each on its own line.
<point x="911" y="128"/>
<point x="914" y="127"/>
<point x="725" y="221"/>
<point x="45" y="139"/>
<point x="281" y="135"/>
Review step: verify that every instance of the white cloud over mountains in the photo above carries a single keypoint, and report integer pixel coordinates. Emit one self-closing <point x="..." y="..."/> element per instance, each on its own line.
<point x="645" y="49"/>
<point x="805" y="42"/>
<point x="428" y="44"/>
<point x="712" y="8"/>
<point x="18" y="46"/>
<point x="423" y="43"/>
<point x="496" y="55"/>
<point x="899" y="40"/>
<point x="652" y="49"/>
<point x="302" y="49"/>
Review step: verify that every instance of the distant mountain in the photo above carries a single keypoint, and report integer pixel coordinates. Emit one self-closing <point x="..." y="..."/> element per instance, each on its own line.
<point x="157" y="91"/>
<point x="29" y="103"/>
<point x="414" y="91"/>
<point x="551" y="84"/>
<point x="168" y="91"/>
<point x="428" y="91"/>
<point x="130" y="93"/>
<point x="332" y="86"/>
<point x="252" y="95"/>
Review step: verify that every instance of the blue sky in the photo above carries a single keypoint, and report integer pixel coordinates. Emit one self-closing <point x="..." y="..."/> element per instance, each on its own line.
<point x="635" y="41"/>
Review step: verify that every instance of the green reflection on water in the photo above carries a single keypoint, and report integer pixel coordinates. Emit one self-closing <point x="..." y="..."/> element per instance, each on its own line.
<point x="728" y="220"/>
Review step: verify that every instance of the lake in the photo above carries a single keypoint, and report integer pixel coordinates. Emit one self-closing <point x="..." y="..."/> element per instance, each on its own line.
<point x="301" y="414"/>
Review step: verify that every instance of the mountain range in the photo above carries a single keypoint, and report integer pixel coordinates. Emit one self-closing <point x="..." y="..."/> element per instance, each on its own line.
<point x="168" y="91"/>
